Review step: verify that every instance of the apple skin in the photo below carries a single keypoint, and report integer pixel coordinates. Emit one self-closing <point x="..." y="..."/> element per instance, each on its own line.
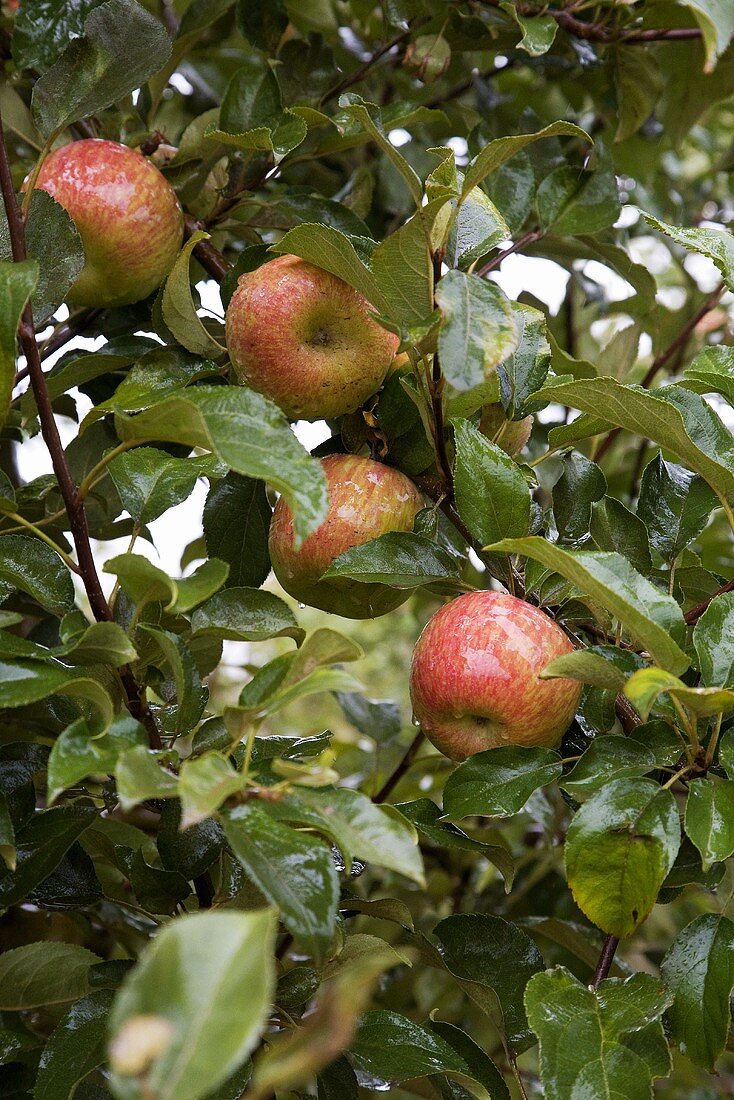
<point x="474" y="680"/>
<point x="126" y="213"/>
<point x="366" y="500"/>
<point x="306" y="340"/>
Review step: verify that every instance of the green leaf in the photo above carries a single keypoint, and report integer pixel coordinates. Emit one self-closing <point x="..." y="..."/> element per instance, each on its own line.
<point x="193" y="590"/>
<point x="403" y="269"/>
<point x="51" y="240"/>
<point x="600" y="666"/>
<point x="478" y="330"/>
<point x="24" y="682"/>
<point x="236" y="525"/>
<point x="292" y="871"/>
<point x="391" y="1047"/>
<point x="150" y="482"/>
<point x="680" y="423"/>
<point x="607" y="758"/>
<point x="498" y="782"/>
<point x="526" y="369"/>
<point x="76" y="753"/>
<point x="399" y="558"/>
<point x="246" y="432"/>
<point x="17" y="283"/>
<point x="45" y="973"/>
<point x="100" y="643"/>
<point x="639" y="82"/>
<point x="76" y="1047"/>
<point x="179" y="311"/>
<point x="204" y="784"/>
<point x="262" y="22"/>
<point x="653" y="619"/>
<point x="373" y="834"/>
<point x="674" y="505"/>
<point x="40" y="847"/>
<point x="28" y="564"/>
<point x="538" y="31"/>
<point x="618" y="1045"/>
<point x="138" y="776"/>
<point x="712" y="371"/>
<point x="7" y="835"/>
<point x="716" y="244"/>
<point x="619" y="848"/>
<point x="493" y="155"/>
<point x="645" y="686"/>
<point x="710" y="818"/>
<point x="210" y="976"/>
<point x="716" y="20"/>
<point x="698" y="969"/>
<point x="713" y="640"/>
<point x="570" y="201"/>
<point x="245" y="615"/>
<point x="615" y="527"/>
<point x="190" y="695"/>
<point x="478" y="228"/>
<point x="494" y="953"/>
<point x="41" y="31"/>
<point x="369" y="117"/>
<point x="121" y="47"/>
<point x="142" y="581"/>
<point x="580" y="485"/>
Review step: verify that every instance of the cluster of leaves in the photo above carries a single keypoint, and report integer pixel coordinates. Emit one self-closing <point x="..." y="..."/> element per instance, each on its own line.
<point x="205" y="894"/>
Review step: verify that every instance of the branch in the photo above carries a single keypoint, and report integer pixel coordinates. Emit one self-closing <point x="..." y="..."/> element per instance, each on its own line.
<point x="136" y="700"/>
<point x="527" y="238"/>
<point x="678" y="345"/>
<point x="696" y="612"/>
<point x="361" y="72"/>
<point x="210" y="258"/>
<point x="600" y="32"/>
<point x="606" y="958"/>
<point x="397" y="774"/>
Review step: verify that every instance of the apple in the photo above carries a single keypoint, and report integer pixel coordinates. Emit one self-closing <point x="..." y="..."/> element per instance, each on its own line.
<point x="474" y="679"/>
<point x="366" y="500"/>
<point x="127" y="215"/>
<point x="306" y="340"/>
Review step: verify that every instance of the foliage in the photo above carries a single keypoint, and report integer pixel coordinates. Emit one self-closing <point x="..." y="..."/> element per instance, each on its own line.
<point x="226" y="868"/>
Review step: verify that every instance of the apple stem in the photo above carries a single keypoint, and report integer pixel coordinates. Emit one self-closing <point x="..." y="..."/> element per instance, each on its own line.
<point x="136" y="699"/>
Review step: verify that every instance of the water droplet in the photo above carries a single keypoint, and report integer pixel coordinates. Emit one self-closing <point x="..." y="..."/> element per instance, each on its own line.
<point x="415" y="721"/>
<point x="504" y="736"/>
<point x="301" y="606"/>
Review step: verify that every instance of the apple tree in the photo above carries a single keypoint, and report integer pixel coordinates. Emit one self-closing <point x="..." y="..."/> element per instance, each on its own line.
<point x="321" y="320"/>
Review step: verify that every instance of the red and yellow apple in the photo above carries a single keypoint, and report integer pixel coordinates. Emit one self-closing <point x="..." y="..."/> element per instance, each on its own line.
<point x="306" y="340"/>
<point x="366" y="500"/>
<point x="127" y="215"/>
<point x="475" y="678"/>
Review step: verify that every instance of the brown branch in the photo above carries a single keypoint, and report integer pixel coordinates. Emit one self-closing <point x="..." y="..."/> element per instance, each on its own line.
<point x="527" y="238"/>
<point x="136" y="701"/>
<point x="397" y="774"/>
<point x="360" y="73"/>
<point x="210" y="258"/>
<point x="677" y="346"/>
<point x="606" y="958"/>
<point x="600" y="32"/>
<point x="696" y="612"/>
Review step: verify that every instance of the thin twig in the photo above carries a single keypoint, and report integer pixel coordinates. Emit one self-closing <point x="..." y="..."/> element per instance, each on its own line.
<point x="527" y="238"/>
<point x="359" y="74"/>
<point x="136" y="700"/>
<point x="696" y="612"/>
<point x="606" y="958"/>
<point x="678" y="345"/>
<point x="398" y="772"/>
